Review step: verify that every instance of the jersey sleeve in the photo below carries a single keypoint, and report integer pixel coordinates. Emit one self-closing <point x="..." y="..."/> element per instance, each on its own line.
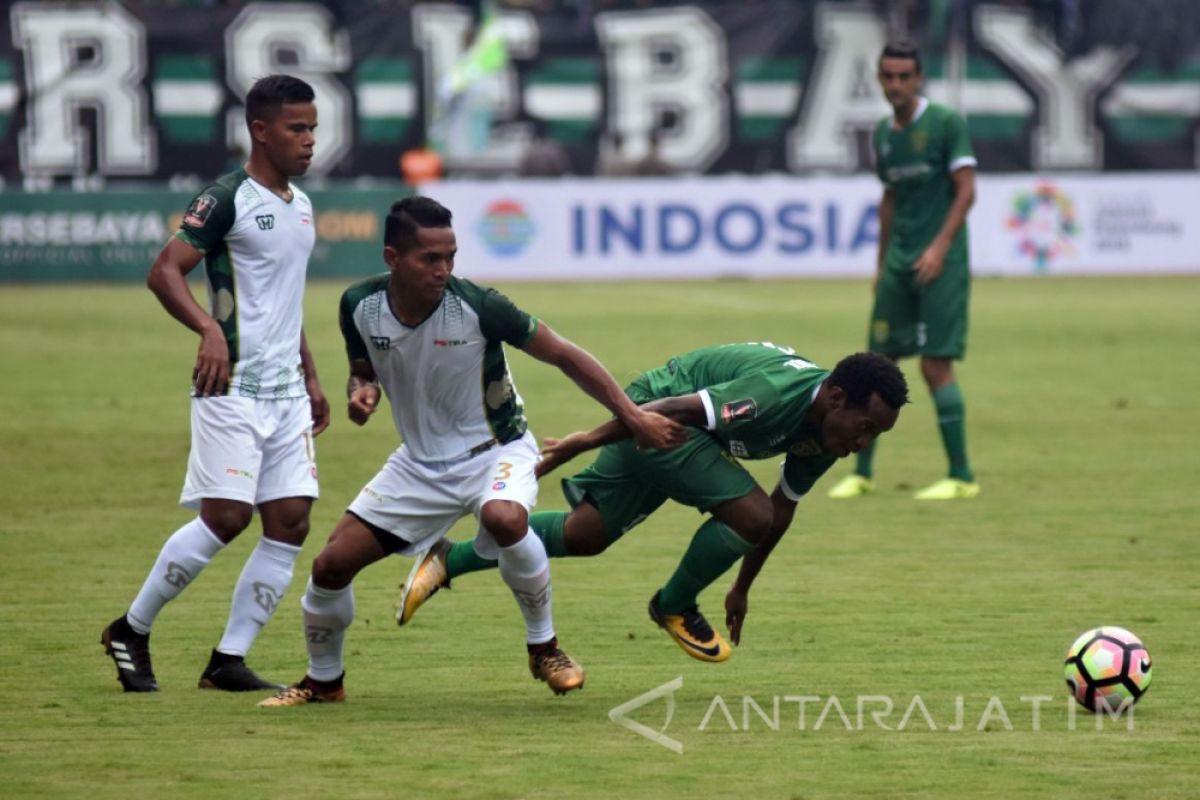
<point x="959" y="153"/>
<point x="208" y="218"/>
<point x="356" y="348"/>
<point x="799" y="473"/>
<point x="745" y="403"/>
<point x="500" y="319"/>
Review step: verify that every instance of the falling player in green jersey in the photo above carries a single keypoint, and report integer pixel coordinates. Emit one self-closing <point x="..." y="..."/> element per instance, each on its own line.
<point x="922" y="286"/>
<point x="752" y="401"/>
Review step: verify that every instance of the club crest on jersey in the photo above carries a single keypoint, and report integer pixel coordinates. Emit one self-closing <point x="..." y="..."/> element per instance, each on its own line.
<point x="919" y="140"/>
<point x="200" y="210"/>
<point x="744" y="410"/>
<point x="381" y="343"/>
<point x="266" y="222"/>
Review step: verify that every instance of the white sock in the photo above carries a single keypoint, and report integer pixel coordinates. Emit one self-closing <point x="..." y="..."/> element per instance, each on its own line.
<point x="181" y="559"/>
<point x="526" y="570"/>
<point x="327" y="614"/>
<point x="263" y="581"/>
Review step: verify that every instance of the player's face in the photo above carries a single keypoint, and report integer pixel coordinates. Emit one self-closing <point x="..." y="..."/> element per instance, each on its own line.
<point x="899" y="80"/>
<point x="421" y="271"/>
<point x="847" y="430"/>
<point x="289" y="137"/>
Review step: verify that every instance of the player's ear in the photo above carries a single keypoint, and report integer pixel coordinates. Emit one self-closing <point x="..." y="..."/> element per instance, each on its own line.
<point x="837" y="397"/>
<point x="258" y="130"/>
<point x="390" y="256"/>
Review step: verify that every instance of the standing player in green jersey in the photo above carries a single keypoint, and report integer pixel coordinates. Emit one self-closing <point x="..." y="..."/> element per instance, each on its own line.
<point x="923" y="283"/>
<point x="754" y="401"/>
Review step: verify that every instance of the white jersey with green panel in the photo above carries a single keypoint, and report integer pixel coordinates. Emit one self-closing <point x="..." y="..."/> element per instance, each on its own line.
<point x="256" y="247"/>
<point x="447" y="378"/>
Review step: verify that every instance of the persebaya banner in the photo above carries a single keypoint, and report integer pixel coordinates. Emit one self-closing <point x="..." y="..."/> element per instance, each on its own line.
<point x="153" y="91"/>
<point x="115" y="235"/>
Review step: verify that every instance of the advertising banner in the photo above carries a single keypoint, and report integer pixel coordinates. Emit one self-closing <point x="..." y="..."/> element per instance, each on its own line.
<point x="811" y="228"/>
<point x="652" y="228"/>
<point x="115" y="235"/>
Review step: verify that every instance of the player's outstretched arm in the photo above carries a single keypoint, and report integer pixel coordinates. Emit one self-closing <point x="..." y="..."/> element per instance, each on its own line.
<point x="650" y="430"/>
<point x="168" y="281"/>
<point x="686" y="410"/>
<point x="362" y="391"/>
<point x="737" y="600"/>
<point x="316" y="396"/>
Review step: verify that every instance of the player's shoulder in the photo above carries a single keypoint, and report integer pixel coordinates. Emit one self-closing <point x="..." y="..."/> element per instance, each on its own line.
<point x="942" y="113"/>
<point x="226" y="187"/>
<point x="471" y="293"/>
<point x="361" y="290"/>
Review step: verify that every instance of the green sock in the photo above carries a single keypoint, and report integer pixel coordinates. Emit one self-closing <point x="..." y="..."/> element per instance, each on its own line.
<point x="951" y="413"/>
<point x="864" y="458"/>
<point x="714" y="549"/>
<point x="548" y="525"/>
<point x="462" y="559"/>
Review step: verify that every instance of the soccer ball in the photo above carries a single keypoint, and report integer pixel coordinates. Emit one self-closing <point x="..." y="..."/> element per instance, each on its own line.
<point x="1107" y="668"/>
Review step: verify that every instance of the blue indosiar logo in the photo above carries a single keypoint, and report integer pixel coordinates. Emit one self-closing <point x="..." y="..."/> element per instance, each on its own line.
<point x="506" y="229"/>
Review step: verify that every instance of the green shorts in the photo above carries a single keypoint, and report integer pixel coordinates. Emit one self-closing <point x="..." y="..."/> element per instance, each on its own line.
<point x="930" y="320"/>
<point x="627" y="484"/>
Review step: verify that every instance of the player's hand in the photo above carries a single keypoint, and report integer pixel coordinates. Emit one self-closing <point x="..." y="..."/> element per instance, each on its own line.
<point x="556" y="452"/>
<point x="210" y="376"/>
<point x="737" y="604"/>
<point x="659" y="432"/>
<point x="320" y="405"/>
<point x="929" y="266"/>
<point x="363" y="402"/>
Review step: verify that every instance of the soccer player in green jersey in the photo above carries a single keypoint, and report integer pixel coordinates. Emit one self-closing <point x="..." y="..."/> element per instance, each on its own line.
<point x="922" y="286"/>
<point x="753" y="401"/>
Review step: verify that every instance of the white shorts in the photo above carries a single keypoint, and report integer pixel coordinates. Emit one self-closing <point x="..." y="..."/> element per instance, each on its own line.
<point x="419" y="502"/>
<point x="250" y="450"/>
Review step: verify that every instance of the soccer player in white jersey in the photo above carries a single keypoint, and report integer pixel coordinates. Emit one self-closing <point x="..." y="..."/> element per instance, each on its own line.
<point x="433" y="343"/>
<point x="256" y="400"/>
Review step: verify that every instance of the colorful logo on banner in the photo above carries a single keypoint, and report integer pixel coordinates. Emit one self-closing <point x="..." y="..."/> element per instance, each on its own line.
<point x="1045" y="223"/>
<point x="506" y="229"/>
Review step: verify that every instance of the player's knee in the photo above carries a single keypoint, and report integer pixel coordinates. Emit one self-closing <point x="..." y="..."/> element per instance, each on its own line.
<point x="583" y="532"/>
<point x="290" y="531"/>
<point x="331" y="572"/>
<point x="227" y="520"/>
<point x="506" y="522"/>
<point x="754" y="523"/>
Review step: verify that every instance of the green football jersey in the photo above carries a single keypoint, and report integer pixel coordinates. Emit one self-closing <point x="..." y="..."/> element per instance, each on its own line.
<point x="756" y="397"/>
<point x="915" y="163"/>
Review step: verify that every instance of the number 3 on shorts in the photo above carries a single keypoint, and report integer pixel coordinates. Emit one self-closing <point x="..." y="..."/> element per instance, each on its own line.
<point x="503" y="471"/>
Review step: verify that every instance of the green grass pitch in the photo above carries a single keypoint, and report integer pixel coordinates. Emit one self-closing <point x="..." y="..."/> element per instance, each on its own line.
<point x="1082" y="415"/>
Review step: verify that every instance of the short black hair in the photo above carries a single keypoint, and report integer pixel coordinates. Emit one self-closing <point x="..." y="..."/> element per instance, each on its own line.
<point x="269" y="94"/>
<point x="864" y="374"/>
<point x="899" y="48"/>
<point x="410" y="214"/>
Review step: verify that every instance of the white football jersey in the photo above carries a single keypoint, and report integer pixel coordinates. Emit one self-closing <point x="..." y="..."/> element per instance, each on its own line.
<point x="256" y="247"/>
<point x="447" y="379"/>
